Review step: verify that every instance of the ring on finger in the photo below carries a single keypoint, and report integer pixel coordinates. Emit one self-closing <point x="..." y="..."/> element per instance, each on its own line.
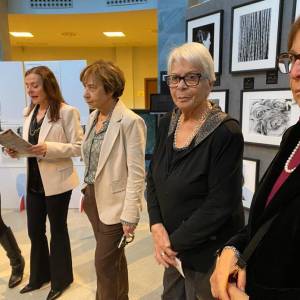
<point x="162" y="253"/>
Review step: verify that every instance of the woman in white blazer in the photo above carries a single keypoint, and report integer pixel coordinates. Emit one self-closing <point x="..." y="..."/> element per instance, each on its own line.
<point x="53" y="128"/>
<point x="114" y="154"/>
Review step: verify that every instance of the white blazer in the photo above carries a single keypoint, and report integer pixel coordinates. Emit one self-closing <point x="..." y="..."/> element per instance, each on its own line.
<point x="120" y="176"/>
<point x="63" y="139"/>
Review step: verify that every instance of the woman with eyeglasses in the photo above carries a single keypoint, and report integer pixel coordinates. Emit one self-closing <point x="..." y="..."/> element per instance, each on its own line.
<point x="272" y="271"/>
<point x="194" y="184"/>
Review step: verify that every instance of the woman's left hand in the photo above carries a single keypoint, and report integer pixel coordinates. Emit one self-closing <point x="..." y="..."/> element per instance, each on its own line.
<point x="38" y="149"/>
<point x="235" y="293"/>
<point x="128" y="229"/>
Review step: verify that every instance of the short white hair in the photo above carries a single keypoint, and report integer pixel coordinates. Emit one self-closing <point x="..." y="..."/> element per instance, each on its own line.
<point x="197" y="55"/>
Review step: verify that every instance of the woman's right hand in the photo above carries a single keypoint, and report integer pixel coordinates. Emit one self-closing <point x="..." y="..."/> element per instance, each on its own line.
<point x="12" y="153"/>
<point x="163" y="253"/>
<point x="225" y="267"/>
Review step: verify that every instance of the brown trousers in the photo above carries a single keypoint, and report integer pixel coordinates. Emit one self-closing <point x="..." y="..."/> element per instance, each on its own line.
<point x="110" y="262"/>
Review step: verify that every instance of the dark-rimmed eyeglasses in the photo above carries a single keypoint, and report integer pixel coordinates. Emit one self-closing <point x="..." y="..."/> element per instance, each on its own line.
<point x="125" y="240"/>
<point x="190" y="79"/>
<point x="286" y="60"/>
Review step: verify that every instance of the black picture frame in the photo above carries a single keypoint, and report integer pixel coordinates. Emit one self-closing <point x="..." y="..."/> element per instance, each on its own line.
<point x="250" y="179"/>
<point x="296" y="10"/>
<point x="250" y="52"/>
<point x="207" y="30"/>
<point x="220" y="97"/>
<point x="151" y="122"/>
<point x="266" y="114"/>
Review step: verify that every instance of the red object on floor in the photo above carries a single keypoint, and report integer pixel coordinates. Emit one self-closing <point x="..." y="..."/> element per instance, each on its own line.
<point x="22" y="203"/>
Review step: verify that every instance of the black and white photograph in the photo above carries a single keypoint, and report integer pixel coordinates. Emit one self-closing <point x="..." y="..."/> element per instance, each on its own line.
<point x="255" y="36"/>
<point x="220" y="97"/>
<point x="296" y="9"/>
<point x="266" y="114"/>
<point x="207" y="31"/>
<point x="250" y="180"/>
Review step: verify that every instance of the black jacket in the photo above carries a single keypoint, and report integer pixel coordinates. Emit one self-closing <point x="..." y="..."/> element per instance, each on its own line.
<point x="197" y="193"/>
<point x="273" y="269"/>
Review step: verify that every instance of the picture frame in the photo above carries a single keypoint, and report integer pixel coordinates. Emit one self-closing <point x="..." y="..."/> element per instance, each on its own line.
<point x="266" y="114"/>
<point x="151" y="122"/>
<point x="220" y="97"/>
<point x="296" y="9"/>
<point x="249" y="51"/>
<point x="250" y="180"/>
<point x="207" y="30"/>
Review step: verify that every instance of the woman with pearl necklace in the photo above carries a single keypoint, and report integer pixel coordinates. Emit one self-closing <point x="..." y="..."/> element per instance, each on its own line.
<point x="272" y="270"/>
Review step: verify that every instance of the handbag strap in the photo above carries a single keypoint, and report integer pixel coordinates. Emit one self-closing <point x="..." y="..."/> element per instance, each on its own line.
<point x="254" y="242"/>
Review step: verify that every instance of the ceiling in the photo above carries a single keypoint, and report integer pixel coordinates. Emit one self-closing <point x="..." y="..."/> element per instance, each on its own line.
<point x="85" y="30"/>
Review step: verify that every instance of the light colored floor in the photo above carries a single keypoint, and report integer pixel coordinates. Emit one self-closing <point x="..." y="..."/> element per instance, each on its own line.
<point x="145" y="276"/>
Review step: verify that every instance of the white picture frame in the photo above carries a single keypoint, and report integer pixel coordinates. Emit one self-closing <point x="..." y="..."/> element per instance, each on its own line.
<point x="220" y="97"/>
<point x="252" y="52"/>
<point x="207" y="30"/>
<point x="266" y="114"/>
<point x="250" y="180"/>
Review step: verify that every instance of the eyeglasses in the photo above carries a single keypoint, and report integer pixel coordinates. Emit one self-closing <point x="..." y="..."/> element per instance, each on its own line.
<point x="125" y="240"/>
<point x="286" y="61"/>
<point x="190" y="79"/>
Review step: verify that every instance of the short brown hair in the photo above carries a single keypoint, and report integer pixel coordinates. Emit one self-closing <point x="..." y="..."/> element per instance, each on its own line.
<point x="108" y="74"/>
<point x="51" y="89"/>
<point x="294" y="30"/>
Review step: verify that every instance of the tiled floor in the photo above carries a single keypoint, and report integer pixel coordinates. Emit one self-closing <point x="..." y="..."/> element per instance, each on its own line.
<point x="145" y="275"/>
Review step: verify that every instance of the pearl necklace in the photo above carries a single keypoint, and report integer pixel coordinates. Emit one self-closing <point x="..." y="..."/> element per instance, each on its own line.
<point x="194" y="132"/>
<point x="286" y="166"/>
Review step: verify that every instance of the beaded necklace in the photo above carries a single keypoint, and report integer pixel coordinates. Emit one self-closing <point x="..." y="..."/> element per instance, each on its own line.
<point x="189" y="139"/>
<point x="286" y="166"/>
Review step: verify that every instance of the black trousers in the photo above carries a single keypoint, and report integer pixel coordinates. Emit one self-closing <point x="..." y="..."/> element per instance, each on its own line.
<point x="55" y="266"/>
<point x="3" y="227"/>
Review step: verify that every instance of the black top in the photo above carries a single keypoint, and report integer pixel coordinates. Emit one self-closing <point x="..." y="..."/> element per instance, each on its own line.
<point x="273" y="269"/>
<point x="197" y="193"/>
<point x="35" y="184"/>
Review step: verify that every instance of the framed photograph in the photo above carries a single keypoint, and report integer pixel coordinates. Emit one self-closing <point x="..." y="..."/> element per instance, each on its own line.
<point x="266" y="114"/>
<point x="207" y="30"/>
<point x="151" y="124"/>
<point x="255" y="35"/>
<point x="250" y="180"/>
<point x="220" y="97"/>
<point x="296" y="9"/>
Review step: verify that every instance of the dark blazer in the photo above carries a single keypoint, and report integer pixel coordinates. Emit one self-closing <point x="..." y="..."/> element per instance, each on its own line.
<point x="273" y="270"/>
<point x="197" y="195"/>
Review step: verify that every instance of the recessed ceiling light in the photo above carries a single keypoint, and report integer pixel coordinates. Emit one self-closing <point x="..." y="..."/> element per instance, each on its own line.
<point x="21" y="34"/>
<point x="114" y="34"/>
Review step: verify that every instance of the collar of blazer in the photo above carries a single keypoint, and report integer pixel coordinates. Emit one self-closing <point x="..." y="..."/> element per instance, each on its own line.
<point x="111" y="133"/>
<point x="46" y="125"/>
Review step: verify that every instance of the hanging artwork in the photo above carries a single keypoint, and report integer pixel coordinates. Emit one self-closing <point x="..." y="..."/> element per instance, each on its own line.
<point x="207" y="31"/>
<point x="250" y="180"/>
<point x="220" y="97"/>
<point x="255" y="36"/>
<point x="266" y="115"/>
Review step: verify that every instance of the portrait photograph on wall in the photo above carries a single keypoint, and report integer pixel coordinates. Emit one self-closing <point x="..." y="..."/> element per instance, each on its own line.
<point x="250" y="180"/>
<point x="255" y="35"/>
<point x="296" y="9"/>
<point x="220" y="97"/>
<point x="207" y="31"/>
<point x="266" y="115"/>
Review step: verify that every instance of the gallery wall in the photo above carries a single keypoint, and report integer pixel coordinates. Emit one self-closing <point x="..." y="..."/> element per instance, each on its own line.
<point x="235" y="81"/>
